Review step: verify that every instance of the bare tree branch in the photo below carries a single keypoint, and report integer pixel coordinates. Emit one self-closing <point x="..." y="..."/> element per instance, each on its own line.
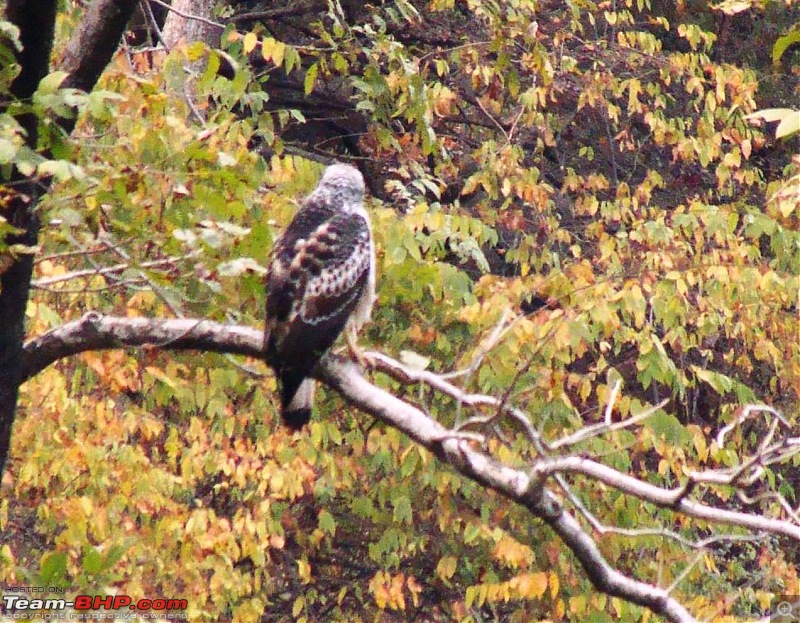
<point x="293" y="9"/>
<point x="94" y="331"/>
<point x="526" y="486"/>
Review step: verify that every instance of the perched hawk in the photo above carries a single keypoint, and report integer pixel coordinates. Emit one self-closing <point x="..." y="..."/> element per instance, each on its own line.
<point x="321" y="281"/>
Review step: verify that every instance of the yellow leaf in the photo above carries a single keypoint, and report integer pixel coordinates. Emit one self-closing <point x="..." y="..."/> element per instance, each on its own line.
<point x="553" y="582"/>
<point x="732" y="159"/>
<point x="532" y="585"/>
<point x="377" y="585"/>
<point x="415" y="588"/>
<point x="273" y="50"/>
<point x="446" y="567"/>
<point x="747" y="148"/>
<point x="278" y="54"/>
<point x="304" y="570"/>
<point x="250" y="42"/>
<point x="267" y="45"/>
<point x="86" y="505"/>
<point x="577" y="604"/>
<point x="298" y="606"/>
<point x="248" y="612"/>
<point x="396" y="592"/>
<point x="512" y="553"/>
<point x="787" y="207"/>
<point x="701" y="446"/>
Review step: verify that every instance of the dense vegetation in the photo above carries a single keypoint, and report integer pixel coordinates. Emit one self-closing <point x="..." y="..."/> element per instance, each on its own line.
<point x="564" y="195"/>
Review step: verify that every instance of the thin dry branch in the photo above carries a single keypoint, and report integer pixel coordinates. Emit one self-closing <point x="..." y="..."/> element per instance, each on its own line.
<point x="677" y="498"/>
<point x="88" y="273"/>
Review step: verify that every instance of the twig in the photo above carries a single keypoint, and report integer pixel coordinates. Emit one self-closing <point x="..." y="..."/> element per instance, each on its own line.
<point x="600" y="429"/>
<point x="287" y="11"/>
<point x="94" y="272"/>
<point x="148" y="10"/>
<point x="745" y="413"/>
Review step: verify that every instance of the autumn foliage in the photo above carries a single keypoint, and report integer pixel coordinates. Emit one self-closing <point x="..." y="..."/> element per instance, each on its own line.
<point x="565" y="196"/>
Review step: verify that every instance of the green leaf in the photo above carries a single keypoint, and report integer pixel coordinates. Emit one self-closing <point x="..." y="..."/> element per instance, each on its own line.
<point x="326" y="522"/>
<point x="782" y="44"/>
<point x="51" y="83"/>
<point x="7" y="150"/>
<point x="362" y="506"/>
<point x="669" y="427"/>
<point x="92" y="561"/>
<point x="402" y="509"/>
<point x="471" y="532"/>
<point x="720" y="383"/>
<point x="116" y="552"/>
<point x="62" y="170"/>
<point x="53" y="569"/>
<point x="311" y="78"/>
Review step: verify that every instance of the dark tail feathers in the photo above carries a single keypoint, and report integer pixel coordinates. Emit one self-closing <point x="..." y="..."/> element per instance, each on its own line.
<point x="297" y="396"/>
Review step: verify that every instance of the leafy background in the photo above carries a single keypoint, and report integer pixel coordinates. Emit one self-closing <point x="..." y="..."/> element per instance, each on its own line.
<point x="583" y="172"/>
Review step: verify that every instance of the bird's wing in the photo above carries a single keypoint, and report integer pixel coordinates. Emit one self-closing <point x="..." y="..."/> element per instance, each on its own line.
<point x="282" y="288"/>
<point x="313" y="287"/>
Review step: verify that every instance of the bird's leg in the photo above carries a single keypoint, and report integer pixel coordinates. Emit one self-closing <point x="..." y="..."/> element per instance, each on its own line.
<point x="352" y="344"/>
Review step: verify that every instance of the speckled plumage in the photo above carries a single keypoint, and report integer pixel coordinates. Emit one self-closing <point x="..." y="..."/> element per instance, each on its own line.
<point x="322" y="277"/>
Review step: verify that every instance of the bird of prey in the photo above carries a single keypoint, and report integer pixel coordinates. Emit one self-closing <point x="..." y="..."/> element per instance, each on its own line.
<point x="320" y="282"/>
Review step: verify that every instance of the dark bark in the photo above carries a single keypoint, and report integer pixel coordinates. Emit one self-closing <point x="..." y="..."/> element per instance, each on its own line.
<point x="88" y="53"/>
<point x="36" y="23"/>
<point x="92" y="46"/>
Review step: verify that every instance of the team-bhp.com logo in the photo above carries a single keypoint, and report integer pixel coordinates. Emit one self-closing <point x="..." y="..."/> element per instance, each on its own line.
<point x="82" y="606"/>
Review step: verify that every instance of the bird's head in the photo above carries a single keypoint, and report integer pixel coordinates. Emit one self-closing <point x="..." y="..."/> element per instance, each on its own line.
<point x="343" y="182"/>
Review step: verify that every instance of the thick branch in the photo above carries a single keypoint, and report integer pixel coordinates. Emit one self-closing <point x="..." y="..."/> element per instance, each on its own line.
<point x="189" y="20"/>
<point x="95" y="42"/>
<point x="94" y="331"/>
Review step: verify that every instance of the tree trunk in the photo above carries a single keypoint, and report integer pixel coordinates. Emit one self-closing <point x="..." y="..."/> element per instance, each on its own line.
<point x="36" y="22"/>
<point x="183" y="25"/>
<point x="88" y="53"/>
